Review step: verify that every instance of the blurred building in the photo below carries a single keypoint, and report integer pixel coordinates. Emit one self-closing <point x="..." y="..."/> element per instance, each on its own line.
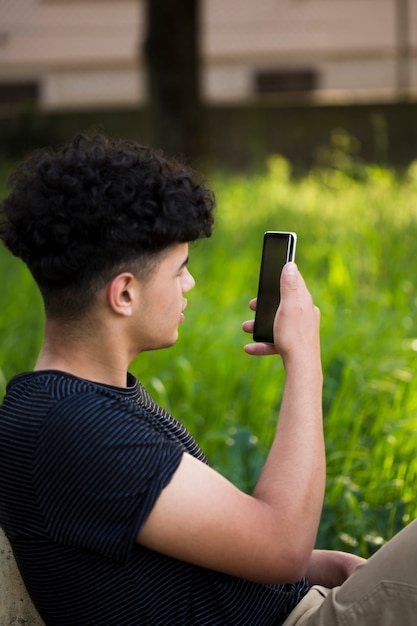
<point x="78" y="54"/>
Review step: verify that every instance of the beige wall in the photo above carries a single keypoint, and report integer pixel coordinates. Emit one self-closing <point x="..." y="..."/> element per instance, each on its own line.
<point x="353" y="44"/>
<point x="84" y="53"/>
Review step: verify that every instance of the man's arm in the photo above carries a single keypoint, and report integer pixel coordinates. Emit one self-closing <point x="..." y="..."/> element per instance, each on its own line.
<point x="202" y="518"/>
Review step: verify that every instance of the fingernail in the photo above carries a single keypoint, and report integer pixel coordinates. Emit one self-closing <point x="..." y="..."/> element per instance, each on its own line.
<point x="291" y="268"/>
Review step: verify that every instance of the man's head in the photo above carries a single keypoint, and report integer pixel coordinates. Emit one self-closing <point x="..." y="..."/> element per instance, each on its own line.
<point x="79" y="216"/>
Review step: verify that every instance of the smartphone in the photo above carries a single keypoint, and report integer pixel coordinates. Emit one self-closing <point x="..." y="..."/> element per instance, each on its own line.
<point x="278" y="249"/>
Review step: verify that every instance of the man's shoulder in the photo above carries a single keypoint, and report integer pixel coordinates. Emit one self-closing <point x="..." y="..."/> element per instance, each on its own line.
<point x="57" y="384"/>
<point x="34" y="395"/>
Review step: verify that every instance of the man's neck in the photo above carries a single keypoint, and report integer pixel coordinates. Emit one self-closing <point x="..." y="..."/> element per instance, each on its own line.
<point x="94" y="358"/>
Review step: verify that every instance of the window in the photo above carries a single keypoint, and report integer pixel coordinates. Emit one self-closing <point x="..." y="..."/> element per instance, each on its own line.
<point x="15" y="95"/>
<point x="268" y="82"/>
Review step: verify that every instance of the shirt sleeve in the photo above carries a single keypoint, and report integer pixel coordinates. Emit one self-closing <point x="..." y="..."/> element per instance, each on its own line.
<point x="100" y="465"/>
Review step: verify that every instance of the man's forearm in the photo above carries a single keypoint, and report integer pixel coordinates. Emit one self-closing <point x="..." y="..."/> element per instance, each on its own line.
<point x="293" y="478"/>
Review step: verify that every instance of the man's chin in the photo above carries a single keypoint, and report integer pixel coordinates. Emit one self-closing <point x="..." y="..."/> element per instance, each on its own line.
<point x="163" y="346"/>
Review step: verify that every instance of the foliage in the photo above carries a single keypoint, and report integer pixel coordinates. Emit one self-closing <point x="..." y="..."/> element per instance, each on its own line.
<point x="356" y="228"/>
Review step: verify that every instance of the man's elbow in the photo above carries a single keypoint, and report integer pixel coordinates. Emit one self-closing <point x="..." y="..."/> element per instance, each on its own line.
<point x="288" y="566"/>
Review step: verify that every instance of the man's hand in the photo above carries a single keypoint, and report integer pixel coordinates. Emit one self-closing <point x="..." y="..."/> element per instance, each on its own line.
<point x="296" y="321"/>
<point x="331" y="568"/>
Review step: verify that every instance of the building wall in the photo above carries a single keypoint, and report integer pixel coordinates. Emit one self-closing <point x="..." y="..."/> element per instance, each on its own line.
<point x="80" y="53"/>
<point x="352" y="44"/>
<point x="84" y="53"/>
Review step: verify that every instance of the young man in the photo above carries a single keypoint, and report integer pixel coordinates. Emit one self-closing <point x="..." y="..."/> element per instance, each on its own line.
<point x="113" y="512"/>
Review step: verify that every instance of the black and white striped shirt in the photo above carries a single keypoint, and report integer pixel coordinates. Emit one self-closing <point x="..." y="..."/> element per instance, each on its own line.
<point x="81" y="465"/>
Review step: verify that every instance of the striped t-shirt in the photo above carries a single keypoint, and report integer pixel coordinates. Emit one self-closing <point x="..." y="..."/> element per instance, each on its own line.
<point x="81" y="466"/>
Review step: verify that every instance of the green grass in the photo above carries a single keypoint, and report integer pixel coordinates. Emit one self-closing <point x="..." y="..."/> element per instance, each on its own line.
<point x="357" y="228"/>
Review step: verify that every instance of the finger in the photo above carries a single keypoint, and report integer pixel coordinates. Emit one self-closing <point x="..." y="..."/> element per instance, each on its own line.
<point x="248" y="326"/>
<point x="260" y="349"/>
<point x="252" y="304"/>
<point x="289" y="278"/>
<point x="293" y="287"/>
<point x="292" y="278"/>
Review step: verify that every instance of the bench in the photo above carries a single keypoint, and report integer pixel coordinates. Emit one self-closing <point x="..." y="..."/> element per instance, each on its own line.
<point x="16" y="607"/>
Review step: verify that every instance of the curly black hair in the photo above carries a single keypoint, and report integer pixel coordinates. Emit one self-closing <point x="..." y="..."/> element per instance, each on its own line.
<point x="77" y="214"/>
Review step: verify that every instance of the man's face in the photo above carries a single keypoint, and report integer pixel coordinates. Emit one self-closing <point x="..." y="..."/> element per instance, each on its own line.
<point x="161" y="300"/>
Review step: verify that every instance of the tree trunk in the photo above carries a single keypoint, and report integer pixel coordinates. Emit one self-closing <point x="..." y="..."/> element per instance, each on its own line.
<point x="173" y="71"/>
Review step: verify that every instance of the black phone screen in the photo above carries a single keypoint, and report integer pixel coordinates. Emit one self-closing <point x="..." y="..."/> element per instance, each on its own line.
<point x="278" y="248"/>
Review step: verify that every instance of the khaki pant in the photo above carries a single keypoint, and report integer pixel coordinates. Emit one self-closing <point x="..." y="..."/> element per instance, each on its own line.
<point x="383" y="592"/>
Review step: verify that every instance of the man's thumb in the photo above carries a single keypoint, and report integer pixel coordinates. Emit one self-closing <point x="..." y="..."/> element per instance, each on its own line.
<point x="289" y="276"/>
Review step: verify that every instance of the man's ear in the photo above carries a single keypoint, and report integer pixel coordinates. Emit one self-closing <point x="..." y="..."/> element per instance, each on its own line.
<point x="121" y="293"/>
